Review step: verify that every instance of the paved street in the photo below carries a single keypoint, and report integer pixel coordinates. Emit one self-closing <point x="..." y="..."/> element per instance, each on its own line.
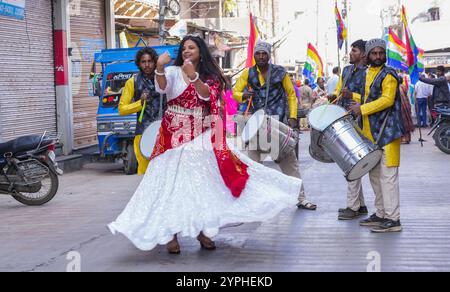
<point x="39" y="239"/>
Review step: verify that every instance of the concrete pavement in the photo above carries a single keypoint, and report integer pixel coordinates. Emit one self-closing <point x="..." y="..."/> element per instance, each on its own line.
<point x="40" y="239"/>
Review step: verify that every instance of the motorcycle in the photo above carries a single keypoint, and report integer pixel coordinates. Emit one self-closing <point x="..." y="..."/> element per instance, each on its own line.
<point x="441" y="130"/>
<point x="28" y="169"/>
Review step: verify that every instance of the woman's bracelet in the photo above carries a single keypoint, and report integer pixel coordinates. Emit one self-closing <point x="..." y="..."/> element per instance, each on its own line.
<point x="197" y="76"/>
<point x="160" y="74"/>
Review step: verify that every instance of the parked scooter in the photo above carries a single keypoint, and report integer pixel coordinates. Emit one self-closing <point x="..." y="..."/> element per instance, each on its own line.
<point x="441" y="130"/>
<point x="28" y="169"/>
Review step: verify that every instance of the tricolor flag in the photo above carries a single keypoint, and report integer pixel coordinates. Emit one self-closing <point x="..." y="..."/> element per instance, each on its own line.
<point x="313" y="65"/>
<point x="412" y="51"/>
<point x="254" y="35"/>
<point x="341" y="29"/>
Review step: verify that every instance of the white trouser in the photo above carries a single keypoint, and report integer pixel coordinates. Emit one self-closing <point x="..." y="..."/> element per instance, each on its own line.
<point x="386" y="185"/>
<point x="355" y="195"/>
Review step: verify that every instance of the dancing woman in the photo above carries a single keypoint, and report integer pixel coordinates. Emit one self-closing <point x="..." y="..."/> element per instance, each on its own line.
<point x="195" y="184"/>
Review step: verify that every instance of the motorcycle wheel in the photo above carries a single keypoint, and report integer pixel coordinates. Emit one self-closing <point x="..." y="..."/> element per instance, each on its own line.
<point x="130" y="162"/>
<point x="49" y="188"/>
<point x="442" y="138"/>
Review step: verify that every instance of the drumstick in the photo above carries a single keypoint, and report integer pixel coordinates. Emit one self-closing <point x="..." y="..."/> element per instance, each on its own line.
<point x="337" y="99"/>
<point x="248" y="106"/>
<point x="141" y="117"/>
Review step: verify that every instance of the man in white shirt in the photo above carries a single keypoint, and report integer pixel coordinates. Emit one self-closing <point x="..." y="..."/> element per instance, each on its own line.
<point x="421" y="94"/>
<point x="334" y="80"/>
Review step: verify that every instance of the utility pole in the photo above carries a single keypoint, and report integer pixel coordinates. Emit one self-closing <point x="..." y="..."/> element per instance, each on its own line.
<point x="162" y="21"/>
<point x="221" y="27"/>
<point x="345" y="16"/>
<point x="317" y="25"/>
<point x="220" y="15"/>
<point x="274" y="20"/>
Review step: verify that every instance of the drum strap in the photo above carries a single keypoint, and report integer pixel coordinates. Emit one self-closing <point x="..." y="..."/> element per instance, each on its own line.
<point x="269" y="75"/>
<point x="383" y="127"/>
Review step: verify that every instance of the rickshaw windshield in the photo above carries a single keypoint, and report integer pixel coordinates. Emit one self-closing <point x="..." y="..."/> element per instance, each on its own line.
<point x="114" y="86"/>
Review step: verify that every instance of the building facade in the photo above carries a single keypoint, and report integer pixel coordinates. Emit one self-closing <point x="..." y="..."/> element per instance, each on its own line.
<point x="46" y="53"/>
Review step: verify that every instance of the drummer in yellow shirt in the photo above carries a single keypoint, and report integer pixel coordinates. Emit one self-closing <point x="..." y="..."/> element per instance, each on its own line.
<point x="380" y="107"/>
<point x="138" y="90"/>
<point x="280" y="88"/>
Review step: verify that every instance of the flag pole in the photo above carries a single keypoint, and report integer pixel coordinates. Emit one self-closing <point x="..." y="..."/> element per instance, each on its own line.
<point x="339" y="57"/>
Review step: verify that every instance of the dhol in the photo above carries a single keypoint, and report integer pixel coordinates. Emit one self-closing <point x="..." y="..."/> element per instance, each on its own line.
<point x="340" y="140"/>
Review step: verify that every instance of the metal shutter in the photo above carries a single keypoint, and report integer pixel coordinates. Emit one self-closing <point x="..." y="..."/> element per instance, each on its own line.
<point x="27" y="78"/>
<point x="87" y="34"/>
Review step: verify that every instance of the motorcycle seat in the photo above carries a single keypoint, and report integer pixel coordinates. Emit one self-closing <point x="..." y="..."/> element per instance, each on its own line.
<point x="21" y="144"/>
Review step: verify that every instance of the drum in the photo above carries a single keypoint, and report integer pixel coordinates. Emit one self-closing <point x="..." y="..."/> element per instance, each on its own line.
<point x="316" y="151"/>
<point x="323" y="116"/>
<point x="148" y="139"/>
<point x="320" y="118"/>
<point x="267" y="135"/>
<point x="346" y="145"/>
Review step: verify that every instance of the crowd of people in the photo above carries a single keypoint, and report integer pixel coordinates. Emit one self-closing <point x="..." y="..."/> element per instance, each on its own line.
<point x="195" y="183"/>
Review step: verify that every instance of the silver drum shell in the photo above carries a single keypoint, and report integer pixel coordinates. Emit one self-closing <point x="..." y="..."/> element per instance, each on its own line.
<point x="346" y="145"/>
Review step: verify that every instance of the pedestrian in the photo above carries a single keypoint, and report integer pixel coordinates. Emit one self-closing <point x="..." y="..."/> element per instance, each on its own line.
<point x="305" y="104"/>
<point x="406" y="112"/>
<point x="422" y="92"/>
<point x="441" y="93"/>
<point x="333" y="82"/>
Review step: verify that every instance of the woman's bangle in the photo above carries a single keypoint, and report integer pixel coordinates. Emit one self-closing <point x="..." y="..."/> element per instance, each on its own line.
<point x="160" y="74"/>
<point x="197" y="76"/>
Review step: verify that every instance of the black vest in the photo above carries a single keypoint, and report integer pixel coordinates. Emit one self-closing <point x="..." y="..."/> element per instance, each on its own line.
<point x="394" y="126"/>
<point x="277" y="103"/>
<point x="354" y="78"/>
<point x="151" y="112"/>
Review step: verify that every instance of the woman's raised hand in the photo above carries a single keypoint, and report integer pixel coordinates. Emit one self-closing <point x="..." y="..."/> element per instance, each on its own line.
<point x="164" y="60"/>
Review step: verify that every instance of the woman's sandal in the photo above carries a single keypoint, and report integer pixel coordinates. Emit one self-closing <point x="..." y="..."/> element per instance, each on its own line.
<point x="206" y="243"/>
<point x="305" y="205"/>
<point x="173" y="247"/>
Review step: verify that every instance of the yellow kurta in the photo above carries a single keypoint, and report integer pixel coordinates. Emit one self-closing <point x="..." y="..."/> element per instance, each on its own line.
<point x="337" y="92"/>
<point x="242" y="84"/>
<point x="128" y="107"/>
<point x="387" y="100"/>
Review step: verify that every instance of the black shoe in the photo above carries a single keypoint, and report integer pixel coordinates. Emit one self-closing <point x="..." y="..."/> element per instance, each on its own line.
<point x="372" y="221"/>
<point x="363" y="210"/>
<point x="388" y="226"/>
<point x="349" y="214"/>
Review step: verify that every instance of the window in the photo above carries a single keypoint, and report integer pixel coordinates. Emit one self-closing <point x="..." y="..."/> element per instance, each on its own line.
<point x="434" y="14"/>
<point x="205" y="9"/>
<point x="114" y="86"/>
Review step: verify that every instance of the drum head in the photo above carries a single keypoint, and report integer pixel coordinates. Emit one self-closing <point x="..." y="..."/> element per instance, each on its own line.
<point x="253" y="125"/>
<point x="364" y="166"/>
<point x="323" y="116"/>
<point x="148" y="139"/>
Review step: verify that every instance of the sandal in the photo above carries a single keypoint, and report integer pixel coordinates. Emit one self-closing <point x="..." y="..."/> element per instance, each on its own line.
<point x="305" y="205"/>
<point x="173" y="247"/>
<point x="205" y="242"/>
